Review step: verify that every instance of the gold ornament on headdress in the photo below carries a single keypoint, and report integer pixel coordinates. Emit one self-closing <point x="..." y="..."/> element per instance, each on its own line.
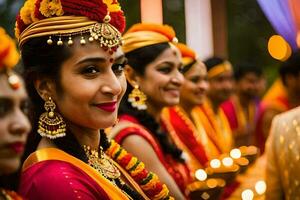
<point x="51" y="124"/>
<point x="68" y="26"/>
<point x="137" y="98"/>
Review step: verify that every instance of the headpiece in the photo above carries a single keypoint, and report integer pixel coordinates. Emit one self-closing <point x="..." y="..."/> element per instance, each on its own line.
<point x="218" y="69"/>
<point x="9" y="58"/>
<point x="189" y="56"/>
<point x="143" y="34"/>
<point x="62" y="19"/>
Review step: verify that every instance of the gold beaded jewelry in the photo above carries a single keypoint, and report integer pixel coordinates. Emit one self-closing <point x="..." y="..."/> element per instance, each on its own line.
<point x="137" y="98"/>
<point x="101" y="163"/>
<point x="51" y="124"/>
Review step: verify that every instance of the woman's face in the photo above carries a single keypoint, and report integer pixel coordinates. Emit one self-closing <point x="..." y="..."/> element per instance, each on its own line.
<point x="14" y="125"/>
<point x="162" y="79"/>
<point x="92" y="83"/>
<point x="195" y="85"/>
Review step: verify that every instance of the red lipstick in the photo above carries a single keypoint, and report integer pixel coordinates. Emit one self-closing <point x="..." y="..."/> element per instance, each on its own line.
<point x="108" y="107"/>
<point x="17" y="147"/>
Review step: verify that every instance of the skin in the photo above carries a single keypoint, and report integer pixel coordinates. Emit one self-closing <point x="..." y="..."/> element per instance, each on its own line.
<point x="88" y="79"/>
<point x="220" y="88"/>
<point x="194" y="87"/>
<point x="161" y="83"/>
<point x="14" y="124"/>
<point x="248" y="87"/>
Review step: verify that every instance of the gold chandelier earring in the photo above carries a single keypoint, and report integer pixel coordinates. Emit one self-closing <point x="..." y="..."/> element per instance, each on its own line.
<point x="51" y="124"/>
<point x="137" y="98"/>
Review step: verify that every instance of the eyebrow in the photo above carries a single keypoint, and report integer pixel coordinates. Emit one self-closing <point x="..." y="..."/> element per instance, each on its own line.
<point x="91" y="59"/>
<point x="121" y="58"/>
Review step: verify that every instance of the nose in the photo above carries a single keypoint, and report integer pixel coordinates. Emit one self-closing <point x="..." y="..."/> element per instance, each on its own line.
<point x="112" y="85"/>
<point x="178" y="78"/>
<point x="203" y="85"/>
<point x="20" y="124"/>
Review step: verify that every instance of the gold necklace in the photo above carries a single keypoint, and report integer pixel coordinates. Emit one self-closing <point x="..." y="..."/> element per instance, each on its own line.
<point x="102" y="163"/>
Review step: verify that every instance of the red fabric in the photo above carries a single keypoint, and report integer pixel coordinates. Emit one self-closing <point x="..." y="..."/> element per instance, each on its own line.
<point x="178" y="171"/>
<point x="281" y="104"/>
<point x="186" y="135"/>
<point x="54" y="180"/>
<point x="230" y="112"/>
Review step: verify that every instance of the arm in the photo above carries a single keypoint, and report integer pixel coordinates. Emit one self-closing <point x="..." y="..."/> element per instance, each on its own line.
<point x="274" y="189"/>
<point x="140" y="148"/>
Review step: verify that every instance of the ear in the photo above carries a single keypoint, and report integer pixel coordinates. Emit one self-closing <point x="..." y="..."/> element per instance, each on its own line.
<point x="131" y="75"/>
<point x="45" y="88"/>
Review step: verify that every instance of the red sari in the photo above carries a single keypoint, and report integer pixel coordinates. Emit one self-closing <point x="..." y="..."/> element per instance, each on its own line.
<point x="179" y="171"/>
<point x="186" y="137"/>
<point x="53" y="174"/>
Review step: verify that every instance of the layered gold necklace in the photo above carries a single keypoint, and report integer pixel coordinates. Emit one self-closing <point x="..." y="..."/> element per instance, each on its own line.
<point x="102" y="163"/>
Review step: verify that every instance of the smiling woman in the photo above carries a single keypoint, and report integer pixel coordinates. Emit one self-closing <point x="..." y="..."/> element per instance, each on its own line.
<point x="154" y="79"/>
<point x="74" y="75"/>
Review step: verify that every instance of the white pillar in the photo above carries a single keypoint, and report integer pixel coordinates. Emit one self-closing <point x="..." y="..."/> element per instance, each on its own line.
<point x="198" y="22"/>
<point x="151" y="11"/>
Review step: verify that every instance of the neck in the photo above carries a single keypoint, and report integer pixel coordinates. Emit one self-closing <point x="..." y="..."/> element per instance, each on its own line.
<point x="244" y="100"/>
<point x="293" y="99"/>
<point x="154" y="111"/>
<point x="186" y="108"/>
<point x="86" y="136"/>
<point x="215" y="104"/>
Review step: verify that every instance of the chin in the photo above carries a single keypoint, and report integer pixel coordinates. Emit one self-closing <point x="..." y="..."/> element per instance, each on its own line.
<point x="9" y="166"/>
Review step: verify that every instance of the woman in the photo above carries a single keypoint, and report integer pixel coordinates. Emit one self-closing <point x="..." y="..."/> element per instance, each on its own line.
<point x="14" y="124"/>
<point x="153" y="74"/>
<point x="189" y="133"/>
<point x="74" y="69"/>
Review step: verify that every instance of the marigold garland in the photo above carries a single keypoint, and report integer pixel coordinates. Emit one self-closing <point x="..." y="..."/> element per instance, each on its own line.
<point x="148" y="181"/>
<point x="34" y="10"/>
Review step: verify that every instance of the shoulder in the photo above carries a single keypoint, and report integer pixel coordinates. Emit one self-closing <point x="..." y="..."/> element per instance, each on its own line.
<point x="288" y="117"/>
<point x="53" y="179"/>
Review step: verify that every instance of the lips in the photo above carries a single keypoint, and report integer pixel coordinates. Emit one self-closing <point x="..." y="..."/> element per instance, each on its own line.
<point x="173" y="92"/>
<point x="17" y="147"/>
<point x="108" y="107"/>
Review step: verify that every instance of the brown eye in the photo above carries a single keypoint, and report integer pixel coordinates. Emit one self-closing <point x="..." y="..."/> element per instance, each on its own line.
<point x="118" y="68"/>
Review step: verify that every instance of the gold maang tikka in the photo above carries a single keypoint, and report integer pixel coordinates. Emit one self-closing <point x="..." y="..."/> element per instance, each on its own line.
<point x="107" y="35"/>
<point x="51" y="124"/>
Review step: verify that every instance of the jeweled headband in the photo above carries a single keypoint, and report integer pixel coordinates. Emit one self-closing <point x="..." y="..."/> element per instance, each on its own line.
<point x="9" y="58"/>
<point x="141" y="35"/>
<point x="60" y="20"/>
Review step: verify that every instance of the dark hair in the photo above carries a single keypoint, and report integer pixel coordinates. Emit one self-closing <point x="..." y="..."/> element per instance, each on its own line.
<point x="243" y="69"/>
<point x="138" y="59"/>
<point x="187" y="67"/>
<point x="41" y="60"/>
<point x="213" y="61"/>
<point x="290" y="66"/>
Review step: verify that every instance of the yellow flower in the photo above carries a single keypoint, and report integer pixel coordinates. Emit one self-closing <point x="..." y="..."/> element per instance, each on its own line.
<point x="131" y="163"/>
<point x="12" y="58"/>
<point x="50" y="8"/>
<point x="112" y="5"/>
<point x="163" y="193"/>
<point x="138" y="169"/>
<point x="26" y="11"/>
<point x="151" y="184"/>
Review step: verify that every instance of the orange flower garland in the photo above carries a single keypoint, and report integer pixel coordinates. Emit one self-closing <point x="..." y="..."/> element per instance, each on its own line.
<point x="148" y="181"/>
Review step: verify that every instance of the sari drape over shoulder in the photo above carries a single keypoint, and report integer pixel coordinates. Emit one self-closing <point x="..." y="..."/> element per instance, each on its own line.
<point x="216" y="126"/>
<point x="187" y="137"/>
<point x="53" y="174"/>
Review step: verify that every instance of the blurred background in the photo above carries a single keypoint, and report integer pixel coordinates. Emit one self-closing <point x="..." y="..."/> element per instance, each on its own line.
<point x="237" y="30"/>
